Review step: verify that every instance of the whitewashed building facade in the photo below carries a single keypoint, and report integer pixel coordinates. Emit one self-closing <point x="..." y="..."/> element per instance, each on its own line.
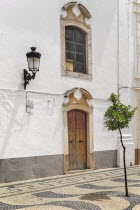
<point x="88" y="50"/>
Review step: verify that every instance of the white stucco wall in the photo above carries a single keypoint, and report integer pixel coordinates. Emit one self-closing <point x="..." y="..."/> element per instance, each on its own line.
<point x="127" y="75"/>
<point x="37" y="23"/>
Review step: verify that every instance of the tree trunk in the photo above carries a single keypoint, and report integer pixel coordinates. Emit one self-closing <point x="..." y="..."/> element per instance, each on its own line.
<point x="125" y="173"/>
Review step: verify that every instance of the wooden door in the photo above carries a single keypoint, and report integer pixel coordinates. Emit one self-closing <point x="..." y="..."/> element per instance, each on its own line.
<point x="137" y="156"/>
<point x="77" y="139"/>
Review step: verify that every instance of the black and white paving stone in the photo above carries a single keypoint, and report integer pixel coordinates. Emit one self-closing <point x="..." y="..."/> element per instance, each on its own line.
<point x="100" y="189"/>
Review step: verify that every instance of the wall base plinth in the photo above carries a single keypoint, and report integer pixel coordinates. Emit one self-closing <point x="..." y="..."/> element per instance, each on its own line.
<point x="16" y="169"/>
<point x="129" y="145"/>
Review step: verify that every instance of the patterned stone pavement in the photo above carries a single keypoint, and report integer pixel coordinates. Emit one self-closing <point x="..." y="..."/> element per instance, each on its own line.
<point x="100" y="189"/>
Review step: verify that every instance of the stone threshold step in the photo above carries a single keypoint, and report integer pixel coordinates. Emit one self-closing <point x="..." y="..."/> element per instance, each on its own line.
<point x="79" y="171"/>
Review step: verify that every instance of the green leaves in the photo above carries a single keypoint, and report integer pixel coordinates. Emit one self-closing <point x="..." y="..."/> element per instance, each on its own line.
<point x="118" y="115"/>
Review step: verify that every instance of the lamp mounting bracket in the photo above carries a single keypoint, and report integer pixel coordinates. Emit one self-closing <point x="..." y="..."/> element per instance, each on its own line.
<point x="28" y="77"/>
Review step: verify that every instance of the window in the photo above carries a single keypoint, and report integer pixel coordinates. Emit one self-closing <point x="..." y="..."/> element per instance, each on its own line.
<point x="75" y="43"/>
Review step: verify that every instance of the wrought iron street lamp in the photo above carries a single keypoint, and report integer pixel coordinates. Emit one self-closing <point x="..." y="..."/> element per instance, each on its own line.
<point x="33" y="59"/>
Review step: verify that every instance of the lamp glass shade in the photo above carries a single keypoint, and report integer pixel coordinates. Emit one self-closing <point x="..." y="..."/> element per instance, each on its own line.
<point x="33" y="64"/>
<point x="33" y="59"/>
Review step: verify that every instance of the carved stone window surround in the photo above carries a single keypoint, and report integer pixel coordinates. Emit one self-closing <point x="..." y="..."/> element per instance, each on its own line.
<point x="76" y="21"/>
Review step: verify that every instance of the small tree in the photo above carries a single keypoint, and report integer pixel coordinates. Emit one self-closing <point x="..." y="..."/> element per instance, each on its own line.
<point x="118" y="117"/>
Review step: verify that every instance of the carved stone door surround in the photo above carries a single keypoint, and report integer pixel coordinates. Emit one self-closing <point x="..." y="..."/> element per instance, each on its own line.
<point x="78" y="99"/>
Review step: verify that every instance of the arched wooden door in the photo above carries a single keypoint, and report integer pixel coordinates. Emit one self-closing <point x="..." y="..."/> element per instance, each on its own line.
<point x="77" y="139"/>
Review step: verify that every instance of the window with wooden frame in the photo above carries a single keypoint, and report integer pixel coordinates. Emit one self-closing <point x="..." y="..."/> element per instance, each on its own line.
<point x="76" y="43"/>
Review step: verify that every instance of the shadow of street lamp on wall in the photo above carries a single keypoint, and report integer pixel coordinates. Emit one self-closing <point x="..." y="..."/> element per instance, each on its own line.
<point x="33" y="59"/>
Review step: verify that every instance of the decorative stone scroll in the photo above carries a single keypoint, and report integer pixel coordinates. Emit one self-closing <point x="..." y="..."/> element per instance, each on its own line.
<point x="78" y="96"/>
<point x="70" y="14"/>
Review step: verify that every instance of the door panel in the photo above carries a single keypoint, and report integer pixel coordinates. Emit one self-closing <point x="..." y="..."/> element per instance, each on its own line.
<point x="81" y="139"/>
<point x="137" y="156"/>
<point x="77" y="139"/>
<point x="71" y="137"/>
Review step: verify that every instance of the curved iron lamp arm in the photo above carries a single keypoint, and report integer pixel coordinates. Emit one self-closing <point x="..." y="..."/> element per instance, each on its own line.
<point x="28" y="77"/>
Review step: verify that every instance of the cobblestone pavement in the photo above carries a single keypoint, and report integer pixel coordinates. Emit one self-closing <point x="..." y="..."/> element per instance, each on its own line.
<point x="100" y="189"/>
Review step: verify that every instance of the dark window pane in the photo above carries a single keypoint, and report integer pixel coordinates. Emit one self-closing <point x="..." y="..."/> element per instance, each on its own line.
<point x="69" y="55"/>
<point x="69" y="46"/>
<point x="80" y="57"/>
<point x="69" y="33"/>
<point x="79" y="36"/>
<point x="80" y="48"/>
<point x="80" y="68"/>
